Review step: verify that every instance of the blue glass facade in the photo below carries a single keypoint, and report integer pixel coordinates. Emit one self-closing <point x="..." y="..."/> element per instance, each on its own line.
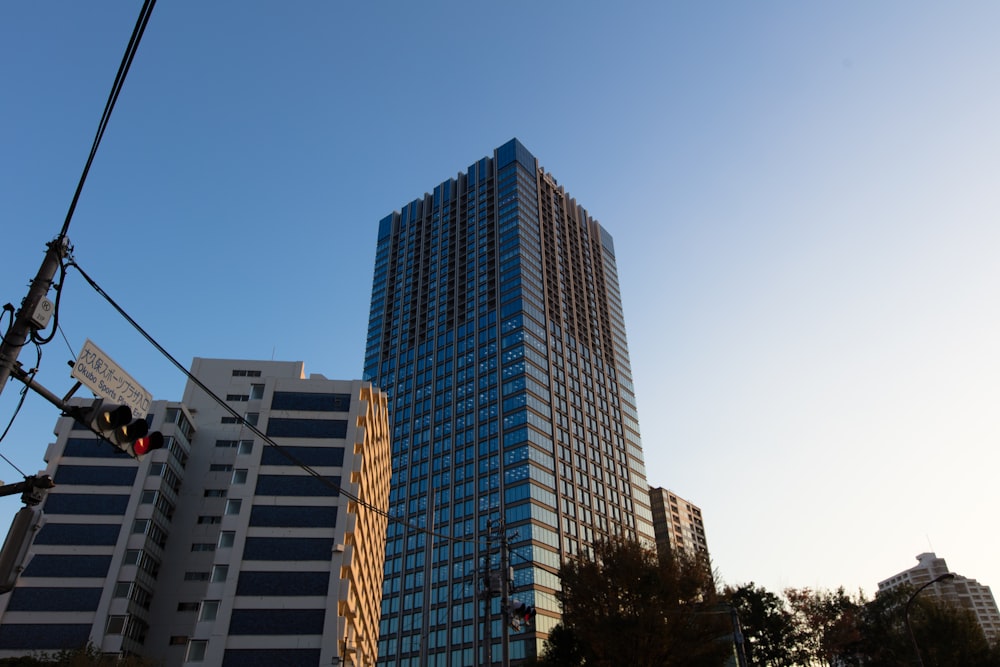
<point x="496" y="329"/>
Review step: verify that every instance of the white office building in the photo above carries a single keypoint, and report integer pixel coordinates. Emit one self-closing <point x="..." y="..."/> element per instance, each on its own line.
<point x="221" y="548"/>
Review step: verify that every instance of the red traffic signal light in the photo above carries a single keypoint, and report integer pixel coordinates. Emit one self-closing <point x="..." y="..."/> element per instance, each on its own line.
<point x="521" y="612"/>
<point x="147" y="444"/>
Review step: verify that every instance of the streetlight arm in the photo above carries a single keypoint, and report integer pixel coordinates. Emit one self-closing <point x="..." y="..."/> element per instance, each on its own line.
<point x="906" y="612"/>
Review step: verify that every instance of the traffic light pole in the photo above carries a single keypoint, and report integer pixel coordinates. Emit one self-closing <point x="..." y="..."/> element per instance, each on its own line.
<point x="20" y="330"/>
<point x="32" y="489"/>
<point x="29" y="382"/>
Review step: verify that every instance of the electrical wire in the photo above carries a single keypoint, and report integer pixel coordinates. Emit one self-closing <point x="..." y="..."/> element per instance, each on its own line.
<point x="20" y="403"/>
<point x="487" y="544"/>
<point x="256" y="431"/>
<point x="68" y="346"/>
<point x="8" y="309"/>
<point x="40" y="340"/>
<point x="11" y="326"/>
<point x="116" y="88"/>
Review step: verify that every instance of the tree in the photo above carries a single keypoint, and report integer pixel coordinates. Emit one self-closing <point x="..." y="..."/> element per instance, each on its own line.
<point x="829" y="621"/>
<point x="947" y="635"/>
<point x="624" y="605"/>
<point x="85" y="656"/>
<point x="771" y="636"/>
<point x="846" y="631"/>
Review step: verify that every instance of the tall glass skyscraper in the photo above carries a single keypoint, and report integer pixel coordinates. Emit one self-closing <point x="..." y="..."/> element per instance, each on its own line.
<point x="497" y="331"/>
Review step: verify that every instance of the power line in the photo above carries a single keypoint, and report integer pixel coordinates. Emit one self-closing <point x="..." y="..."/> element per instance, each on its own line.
<point x="70" y="347"/>
<point x="20" y="403"/>
<point x="253" y="428"/>
<point x="116" y="88"/>
<point x="21" y="330"/>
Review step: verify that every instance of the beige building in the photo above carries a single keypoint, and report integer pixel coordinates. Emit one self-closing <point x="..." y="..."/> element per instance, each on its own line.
<point x="254" y="537"/>
<point x="677" y="523"/>
<point x="958" y="590"/>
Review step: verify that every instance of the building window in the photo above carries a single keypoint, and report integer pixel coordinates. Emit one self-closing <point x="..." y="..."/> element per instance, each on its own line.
<point x="256" y="392"/>
<point x="311" y="456"/>
<point x="176" y="416"/>
<point x="283" y="583"/>
<point x="187" y="606"/>
<point x="196" y="650"/>
<point x="310" y="402"/>
<point x="287" y="516"/>
<point x="116" y="625"/>
<point x="215" y="493"/>
<point x="233" y="506"/>
<point x="245" y="447"/>
<point x="241" y="373"/>
<point x="94" y="475"/>
<point x="288" y="548"/>
<point x="68" y="566"/>
<point x="297" y="485"/>
<point x="219" y="573"/>
<point x="196" y="576"/>
<point x="210" y="519"/>
<point x="83" y="503"/>
<point x="307" y="428"/>
<point x="288" y="622"/>
<point x="226" y="539"/>
<point x="78" y="534"/>
<point x="202" y="546"/>
<point x="209" y="610"/>
<point x="221" y="467"/>
<point x="252" y="418"/>
<point x="240" y="476"/>
<point x="178" y="640"/>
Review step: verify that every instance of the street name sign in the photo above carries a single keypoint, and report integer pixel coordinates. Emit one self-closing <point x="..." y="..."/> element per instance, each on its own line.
<point x="105" y="378"/>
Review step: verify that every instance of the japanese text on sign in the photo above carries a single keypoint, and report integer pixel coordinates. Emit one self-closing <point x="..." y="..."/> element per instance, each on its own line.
<point x="103" y="376"/>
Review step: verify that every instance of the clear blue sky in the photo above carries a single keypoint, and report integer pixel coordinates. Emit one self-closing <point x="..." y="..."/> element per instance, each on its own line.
<point x="803" y="197"/>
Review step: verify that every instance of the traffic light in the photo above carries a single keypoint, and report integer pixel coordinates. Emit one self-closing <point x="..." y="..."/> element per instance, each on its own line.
<point x="521" y="612"/>
<point x="115" y="424"/>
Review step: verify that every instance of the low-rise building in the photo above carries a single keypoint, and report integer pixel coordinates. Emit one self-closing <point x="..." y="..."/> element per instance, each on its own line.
<point x="958" y="590"/>
<point x="677" y="523"/>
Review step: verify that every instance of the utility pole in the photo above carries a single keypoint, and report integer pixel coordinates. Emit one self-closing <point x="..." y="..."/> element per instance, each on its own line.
<point x="28" y="316"/>
<point x="506" y="588"/>
<point x="494" y="584"/>
<point x="504" y="595"/>
<point x="738" y="639"/>
<point x="486" y="593"/>
<point x="492" y="587"/>
<point x="26" y="522"/>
